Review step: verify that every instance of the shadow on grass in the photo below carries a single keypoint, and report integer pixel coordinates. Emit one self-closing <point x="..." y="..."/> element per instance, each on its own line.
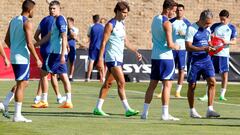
<point x="205" y="124"/>
<point x="213" y="125"/>
<point x="229" y="118"/>
<point x="74" y="114"/>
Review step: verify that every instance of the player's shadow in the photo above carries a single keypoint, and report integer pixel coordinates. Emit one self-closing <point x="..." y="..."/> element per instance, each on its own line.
<point x="229" y="118"/>
<point x="71" y="114"/>
<point x="198" y="124"/>
<point x="58" y="114"/>
<point x="213" y="125"/>
<point x="207" y="124"/>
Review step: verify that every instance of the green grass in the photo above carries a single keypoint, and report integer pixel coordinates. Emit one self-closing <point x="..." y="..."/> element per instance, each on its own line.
<point x="80" y="121"/>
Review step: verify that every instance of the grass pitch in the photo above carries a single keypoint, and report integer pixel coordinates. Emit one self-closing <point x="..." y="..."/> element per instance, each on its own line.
<point x="80" y="121"/>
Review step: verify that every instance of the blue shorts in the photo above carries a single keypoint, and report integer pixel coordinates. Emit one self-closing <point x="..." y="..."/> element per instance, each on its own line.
<point x="72" y="54"/>
<point x="44" y="58"/>
<point x="93" y="54"/>
<point x="21" y="71"/>
<point x="113" y="64"/>
<point x="54" y="66"/>
<point x="162" y="70"/>
<point x="196" y="69"/>
<point x="221" y="64"/>
<point x="180" y="58"/>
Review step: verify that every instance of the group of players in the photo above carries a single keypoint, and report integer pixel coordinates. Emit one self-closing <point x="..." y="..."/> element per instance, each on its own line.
<point x="181" y="36"/>
<point x="54" y="31"/>
<point x="170" y="38"/>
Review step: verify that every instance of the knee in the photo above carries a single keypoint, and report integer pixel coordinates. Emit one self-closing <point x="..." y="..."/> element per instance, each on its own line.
<point x="212" y="83"/>
<point x="191" y="86"/>
<point x="121" y="84"/>
<point x="23" y="84"/>
<point x="107" y="85"/>
<point x="26" y="83"/>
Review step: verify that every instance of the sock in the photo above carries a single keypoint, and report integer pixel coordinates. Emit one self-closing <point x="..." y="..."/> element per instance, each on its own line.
<point x="145" y="109"/>
<point x="125" y="104"/>
<point x="165" y="112"/>
<point x="99" y="104"/>
<point x="18" y="109"/>
<point x="68" y="98"/>
<point x="38" y="97"/>
<point x="210" y="108"/>
<point x="70" y="76"/>
<point x="8" y="99"/>
<point x="44" y="97"/>
<point x="59" y="96"/>
<point x="193" y="110"/>
<point x="223" y="91"/>
<point x="179" y="88"/>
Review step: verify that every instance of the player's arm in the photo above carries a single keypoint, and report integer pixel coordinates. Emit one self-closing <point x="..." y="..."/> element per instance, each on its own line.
<point x="43" y="40"/>
<point x="73" y="35"/>
<point x="89" y="31"/>
<point x="62" y="27"/>
<point x="133" y="49"/>
<point x="191" y="48"/>
<point x="64" y="46"/>
<point x="233" y="37"/>
<point x="233" y="41"/>
<point x="7" y="37"/>
<point x="28" y="33"/>
<point x="37" y="34"/>
<point x="107" y="32"/>
<point x="3" y="54"/>
<point x="168" y="30"/>
<point x="89" y="34"/>
<point x="7" y="41"/>
<point x="189" y="40"/>
<point x="68" y="47"/>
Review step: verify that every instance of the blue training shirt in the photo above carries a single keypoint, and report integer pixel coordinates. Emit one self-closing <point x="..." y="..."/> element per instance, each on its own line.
<point x="160" y="50"/>
<point x="179" y="26"/>
<point x="19" y="51"/>
<point x="115" y="45"/>
<point x="59" y="26"/>
<point x="199" y="37"/>
<point x="226" y="32"/>
<point x="45" y="27"/>
<point x="96" y="36"/>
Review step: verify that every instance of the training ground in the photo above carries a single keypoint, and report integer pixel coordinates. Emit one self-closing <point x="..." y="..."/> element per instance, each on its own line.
<point x="81" y="121"/>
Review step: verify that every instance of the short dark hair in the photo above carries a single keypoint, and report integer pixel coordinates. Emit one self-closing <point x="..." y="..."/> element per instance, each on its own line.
<point x="54" y="2"/>
<point x="28" y="5"/>
<point x="96" y="18"/>
<point x="224" y="13"/>
<point x="180" y="5"/>
<point x="121" y="5"/>
<point x="206" y="14"/>
<point x="169" y="4"/>
<point x="70" y="18"/>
